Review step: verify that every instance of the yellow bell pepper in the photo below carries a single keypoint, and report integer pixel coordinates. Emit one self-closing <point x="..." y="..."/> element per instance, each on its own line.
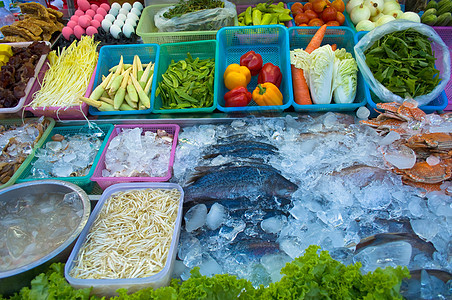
<point x="236" y="76"/>
<point x="267" y="94"/>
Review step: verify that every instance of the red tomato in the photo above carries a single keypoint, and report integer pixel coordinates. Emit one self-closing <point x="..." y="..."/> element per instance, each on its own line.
<point x="315" y="22"/>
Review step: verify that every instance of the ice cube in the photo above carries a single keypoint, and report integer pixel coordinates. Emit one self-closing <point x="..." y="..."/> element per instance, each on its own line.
<point x="390" y="254"/>
<point x="362" y="113"/>
<point x="62" y="170"/>
<point x="417" y="206"/>
<point x="54" y="146"/>
<point x="291" y="245"/>
<point x="390" y="138"/>
<point x="440" y="204"/>
<point x="273" y="224"/>
<point x="195" y="217"/>
<point x="433" y="287"/>
<point x="179" y="269"/>
<point x="332" y="217"/>
<point x="425" y="229"/>
<point x="17" y="240"/>
<point x="217" y="216"/>
<point x="232" y="228"/>
<point x="209" y="266"/>
<point x="273" y="263"/>
<point x="330" y="120"/>
<point x="400" y="157"/>
<point x="258" y="275"/>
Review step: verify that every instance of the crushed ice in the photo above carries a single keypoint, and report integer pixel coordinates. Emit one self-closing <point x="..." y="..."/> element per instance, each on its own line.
<point x="346" y="193"/>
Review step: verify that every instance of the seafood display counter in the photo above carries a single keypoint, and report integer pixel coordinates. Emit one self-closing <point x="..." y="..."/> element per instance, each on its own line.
<point x="260" y="190"/>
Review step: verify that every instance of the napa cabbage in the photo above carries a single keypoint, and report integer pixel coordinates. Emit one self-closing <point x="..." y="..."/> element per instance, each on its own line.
<point x="345" y="77"/>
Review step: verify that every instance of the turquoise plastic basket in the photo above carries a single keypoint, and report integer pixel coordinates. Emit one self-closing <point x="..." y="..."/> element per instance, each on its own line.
<point x="109" y="57"/>
<point x="437" y="104"/>
<point x="271" y="42"/>
<point x="38" y="143"/>
<point x="176" y="52"/>
<point x="83" y="181"/>
<point x="343" y="37"/>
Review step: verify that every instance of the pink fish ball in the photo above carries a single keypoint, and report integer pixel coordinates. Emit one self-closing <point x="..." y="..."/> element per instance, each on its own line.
<point x="90" y="12"/>
<point x="105" y="6"/>
<point x="94" y="7"/>
<point x="71" y="24"/>
<point x="94" y="23"/>
<point x="74" y="18"/>
<point x="83" y="5"/>
<point x="84" y="21"/>
<point x="102" y="11"/>
<point x="91" y="30"/>
<point x="79" y="13"/>
<point x="67" y="32"/>
<point x="98" y="17"/>
<point x="79" y="31"/>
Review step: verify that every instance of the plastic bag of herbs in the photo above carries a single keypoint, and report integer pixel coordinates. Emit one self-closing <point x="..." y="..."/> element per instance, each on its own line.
<point x="398" y="62"/>
<point x="196" y="15"/>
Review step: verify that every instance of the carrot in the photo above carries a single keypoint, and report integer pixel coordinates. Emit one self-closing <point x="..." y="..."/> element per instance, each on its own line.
<point x="334" y="47"/>
<point x="316" y="40"/>
<point x="300" y="87"/>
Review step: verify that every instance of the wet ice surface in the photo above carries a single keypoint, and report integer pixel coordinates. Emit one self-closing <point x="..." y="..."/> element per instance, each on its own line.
<point x="345" y="194"/>
<point x="35" y="225"/>
<point x="73" y="156"/>
<point x="133" y="153"/>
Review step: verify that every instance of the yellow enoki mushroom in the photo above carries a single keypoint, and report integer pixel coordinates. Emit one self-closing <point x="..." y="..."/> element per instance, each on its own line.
<point x="130" y="237"/>
<point x="69" y="75"/>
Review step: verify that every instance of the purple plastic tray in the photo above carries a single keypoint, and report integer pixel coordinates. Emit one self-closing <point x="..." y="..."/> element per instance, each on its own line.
<point x="105" y="182"/>
<point x="446" y="34"/>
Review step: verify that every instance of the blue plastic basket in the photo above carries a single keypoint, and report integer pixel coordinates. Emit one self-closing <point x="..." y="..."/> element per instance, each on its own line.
<point x="109" y="57"/>
<point x="342" y="36"/>
<point x="271" y="42"/>
<point x="438" y="104"/>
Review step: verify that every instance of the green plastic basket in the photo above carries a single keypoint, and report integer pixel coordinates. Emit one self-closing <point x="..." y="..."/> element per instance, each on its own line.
<point x="176" y="52"/>
<point x="29" y="158"/>
<point x="149" y="33"/>
<point x="82" y="181"/>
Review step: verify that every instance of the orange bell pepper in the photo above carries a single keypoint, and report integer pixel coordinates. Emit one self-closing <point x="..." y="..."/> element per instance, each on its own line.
<point x="236" y="76"/>
<point x="267" y="94"/>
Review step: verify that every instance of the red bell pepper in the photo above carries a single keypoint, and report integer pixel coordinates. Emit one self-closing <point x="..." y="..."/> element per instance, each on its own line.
<point x="237" y="97"/>
<point x="270" y="73"/>
<point x="252" y="61"/>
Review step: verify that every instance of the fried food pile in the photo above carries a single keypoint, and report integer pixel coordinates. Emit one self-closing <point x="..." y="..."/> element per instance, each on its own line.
<point x="39" y="24"/>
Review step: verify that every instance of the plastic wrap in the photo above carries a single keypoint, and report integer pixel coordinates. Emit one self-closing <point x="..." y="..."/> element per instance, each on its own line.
<point x="442" y="59"/>
<point x="207" y="19"/>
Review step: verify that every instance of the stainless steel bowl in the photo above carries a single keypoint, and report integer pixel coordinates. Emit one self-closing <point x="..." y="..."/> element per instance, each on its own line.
<point x="12" y="280"/>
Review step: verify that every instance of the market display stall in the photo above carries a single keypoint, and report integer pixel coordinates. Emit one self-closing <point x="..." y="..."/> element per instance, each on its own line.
<point x="231" y="140"/>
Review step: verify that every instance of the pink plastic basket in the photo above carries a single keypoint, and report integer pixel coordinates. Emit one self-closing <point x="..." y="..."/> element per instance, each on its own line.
<point x="57" y="112"/>
<point x="446" y="34"/>
<point x="105" y="182"/>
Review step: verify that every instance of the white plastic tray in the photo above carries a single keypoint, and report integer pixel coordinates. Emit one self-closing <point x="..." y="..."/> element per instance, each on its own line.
<point x="108" y="287"/>
<point x="31" y="81"/>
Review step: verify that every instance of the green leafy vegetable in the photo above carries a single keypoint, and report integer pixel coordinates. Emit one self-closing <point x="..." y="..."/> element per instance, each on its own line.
<point x="184" y="7"/>
<point x="311" y="276"/>
<point x="404" y="63"/>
